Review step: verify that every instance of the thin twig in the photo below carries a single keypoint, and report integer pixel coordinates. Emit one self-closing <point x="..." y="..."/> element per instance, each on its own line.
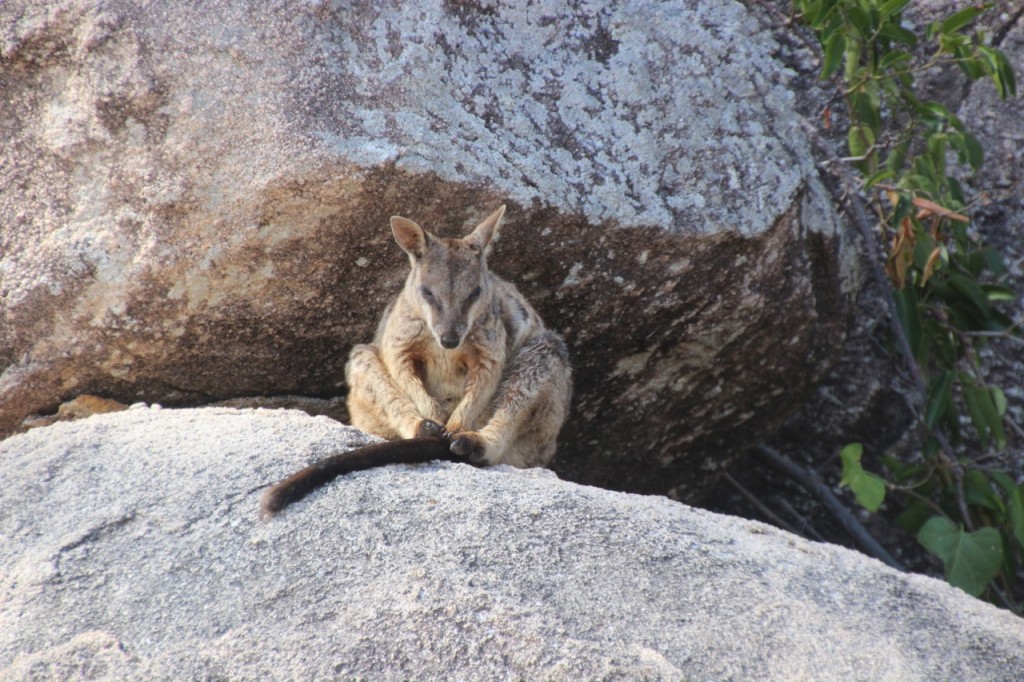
<point x="805" y="524"/>
<point x="1008" y="335"/>
<point x="811" y="482"/>
<point x="1015" y="426"/>
<point x="772" y="517"/>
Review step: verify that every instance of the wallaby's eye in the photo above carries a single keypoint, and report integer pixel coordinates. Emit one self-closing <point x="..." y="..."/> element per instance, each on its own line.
<point x="428" y="294"/>
<point x="473" y="295"/>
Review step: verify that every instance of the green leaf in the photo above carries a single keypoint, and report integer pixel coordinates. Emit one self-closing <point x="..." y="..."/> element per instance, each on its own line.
<point x="892" y="7"/>
<point x="972" y="560"/>
<point x="835" y="48"/>
<point x="968" y="149"/>
<point x="878" y="176"/>
<point x="900" y="471"/>
<point x="917" y="181"/>
<point x="835" y="24"/>
<point x="970" y="291"/>
<point x="853" y="71"/>
<point x="957" y="192"/>
<point x="897" y="157"/>
<point x="868" y="488"/>
<point x="973" y="398"/>
<point x="937" y="150"/>
<point x="1009" y="81"/>
<point x="865" y="105"/>
<point x="860" y="20"/>
<point x="999" y="398"/>
<point x="891" y="86"/>
<point x="898" y="33"/>
<point x="822" y="13"/>
<point x="973" y="67"/>
<point x="990" y="57"/>
<point x="977" y="491"/>
<point x="923" y="248"/>
<point x="1016" y="514"/>
<point x="961" y="19"/>
<point x="942" y="340"/>
<point x="893" y="59"/>
<point x="1014" y="504"/>
<point x="910" y="317"/>
<point x="975" y="154"/>
<point x="924" y="173"/>
<point x="999" y="68"/>
<point x="914" y="516"/>
<point x="998" y="292"/>
<point x="994" y="261"/>
<point x="859" y="140"/>
<point x="984" y="414"/>
<point x="933" y="111"/>
<point x="938" y="398"/>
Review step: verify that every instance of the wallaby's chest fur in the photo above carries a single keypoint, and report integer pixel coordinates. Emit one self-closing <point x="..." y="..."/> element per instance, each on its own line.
<point x="497" y="334"/>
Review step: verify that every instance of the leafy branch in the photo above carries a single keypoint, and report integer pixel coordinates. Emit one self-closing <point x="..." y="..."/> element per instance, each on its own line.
<point x="947" y="287"/>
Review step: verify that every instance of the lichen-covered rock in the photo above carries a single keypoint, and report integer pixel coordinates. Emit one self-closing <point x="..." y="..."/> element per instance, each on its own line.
<point x="196" y="209"/>
<point x="130" y="550"/>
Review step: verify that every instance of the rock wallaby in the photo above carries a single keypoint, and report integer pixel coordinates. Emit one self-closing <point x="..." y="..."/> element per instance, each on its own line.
<point x="461" y="368"/>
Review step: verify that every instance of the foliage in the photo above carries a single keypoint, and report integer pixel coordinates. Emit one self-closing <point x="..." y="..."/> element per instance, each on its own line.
<point x="947" y="286"/>
<point x="866" y="486"/>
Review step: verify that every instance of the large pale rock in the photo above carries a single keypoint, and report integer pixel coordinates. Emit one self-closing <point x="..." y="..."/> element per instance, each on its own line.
<point x="131" y="550"/>
<point x="194" y="201"/>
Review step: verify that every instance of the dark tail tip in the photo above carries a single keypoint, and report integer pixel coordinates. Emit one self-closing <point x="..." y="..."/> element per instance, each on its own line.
<point x="270" y="504"/>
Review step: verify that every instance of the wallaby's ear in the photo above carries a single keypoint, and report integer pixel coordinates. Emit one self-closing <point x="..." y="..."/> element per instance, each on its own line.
<point x="486" y="233"/>
<point x="409" y="236"/>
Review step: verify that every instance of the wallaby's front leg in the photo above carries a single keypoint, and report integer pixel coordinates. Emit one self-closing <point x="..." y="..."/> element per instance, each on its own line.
<point x="531" y="403"/>
<point x="482" y="379"/>
<point x="407" y="368"/>
<point x="482" y="382"/>
<point x="383" y="405"/>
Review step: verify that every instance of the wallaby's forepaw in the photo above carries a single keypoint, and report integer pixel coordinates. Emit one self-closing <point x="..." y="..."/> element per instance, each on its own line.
<point x="471" y="446"/>
<point x="428" y="428"/>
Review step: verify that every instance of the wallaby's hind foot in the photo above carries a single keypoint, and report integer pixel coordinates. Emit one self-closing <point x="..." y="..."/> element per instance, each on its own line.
<point x="428" y="428"/>
<point x="471" y="446"/>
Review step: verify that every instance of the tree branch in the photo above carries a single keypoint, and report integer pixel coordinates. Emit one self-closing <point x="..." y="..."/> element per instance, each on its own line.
<point x="772" y="517"/>
<point x="811" y="482"/>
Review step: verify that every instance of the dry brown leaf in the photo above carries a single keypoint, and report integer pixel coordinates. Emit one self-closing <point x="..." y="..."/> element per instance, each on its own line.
<point x="929" y="267"/>
<point x="931" y="208"/>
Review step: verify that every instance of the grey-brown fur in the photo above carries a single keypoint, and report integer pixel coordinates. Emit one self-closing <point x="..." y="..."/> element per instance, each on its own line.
<point x="500" y="390"/>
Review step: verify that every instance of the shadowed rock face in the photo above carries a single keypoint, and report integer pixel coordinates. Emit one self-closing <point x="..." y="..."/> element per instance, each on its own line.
<point x="196" y="210"/>
<point x="131" y="550"/>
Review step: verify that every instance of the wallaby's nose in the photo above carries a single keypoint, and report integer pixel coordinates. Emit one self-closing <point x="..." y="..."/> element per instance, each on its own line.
<point x="450" y="340"/>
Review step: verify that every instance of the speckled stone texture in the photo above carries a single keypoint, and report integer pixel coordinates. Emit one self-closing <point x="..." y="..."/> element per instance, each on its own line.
<point x="130" y="550"/>
<point x="194" y="201"/>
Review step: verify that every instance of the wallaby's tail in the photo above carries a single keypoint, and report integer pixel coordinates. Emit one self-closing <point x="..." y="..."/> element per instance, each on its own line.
<point x="299" y="484"/>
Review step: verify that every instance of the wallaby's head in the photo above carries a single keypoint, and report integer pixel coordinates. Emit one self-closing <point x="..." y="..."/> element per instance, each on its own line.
<point x="448" y="282"/>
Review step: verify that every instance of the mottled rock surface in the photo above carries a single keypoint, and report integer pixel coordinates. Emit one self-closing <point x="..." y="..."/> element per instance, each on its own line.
<point x="130" y="549"/>
<point x="196" y="210"/>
